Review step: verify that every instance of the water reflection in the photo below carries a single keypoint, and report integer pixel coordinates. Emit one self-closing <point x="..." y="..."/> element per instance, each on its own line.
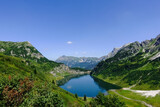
<point x="87" y="85"/>
<point x="105" y="85"/>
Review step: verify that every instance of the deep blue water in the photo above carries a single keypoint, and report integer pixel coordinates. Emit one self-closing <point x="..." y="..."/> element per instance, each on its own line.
<point x="87" y="85"/>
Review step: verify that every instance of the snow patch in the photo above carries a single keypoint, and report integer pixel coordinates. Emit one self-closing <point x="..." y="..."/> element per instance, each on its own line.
<point x="151" y="93"/>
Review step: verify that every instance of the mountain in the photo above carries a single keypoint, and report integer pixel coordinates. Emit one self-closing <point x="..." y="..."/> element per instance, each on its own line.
<point x="135" y="63"/>
<point x="29" y="79"/>
<point x="32" y="56"/>
<point x="29" y="53"/>
<point x="81" y="62"/>
<point x="22" y="49"/>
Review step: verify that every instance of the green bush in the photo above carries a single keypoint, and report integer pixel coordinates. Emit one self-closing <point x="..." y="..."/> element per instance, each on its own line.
<point x="43" y="98"/>
<point x="85" y="98"/>
<point x="106" y="101"/>
<point x="76" y="95"/>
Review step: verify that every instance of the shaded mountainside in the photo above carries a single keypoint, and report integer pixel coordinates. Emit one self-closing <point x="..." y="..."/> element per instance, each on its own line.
<point x="81" y="62"/>
<point x="136" y="63"/>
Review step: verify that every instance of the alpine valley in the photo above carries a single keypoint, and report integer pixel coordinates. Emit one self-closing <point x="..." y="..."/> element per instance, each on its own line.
<point x="28" y="79"/>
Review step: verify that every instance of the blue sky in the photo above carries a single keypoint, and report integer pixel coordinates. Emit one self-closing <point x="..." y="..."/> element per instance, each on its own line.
<point x="78" y="27"/>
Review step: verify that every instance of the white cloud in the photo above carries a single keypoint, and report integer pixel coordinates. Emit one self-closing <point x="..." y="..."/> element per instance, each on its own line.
<point x="69" y="42"/>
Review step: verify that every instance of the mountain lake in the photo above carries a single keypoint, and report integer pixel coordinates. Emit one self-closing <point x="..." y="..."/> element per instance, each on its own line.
<point x="87" y="85"/>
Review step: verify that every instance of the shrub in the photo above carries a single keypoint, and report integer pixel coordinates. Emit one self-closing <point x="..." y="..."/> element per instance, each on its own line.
<point x="14" y="92"/>
<point x="43" y="97"/>
<point x="85" y="98"/>
<point x="76" y="95"/>
<point x="106" y="101"/>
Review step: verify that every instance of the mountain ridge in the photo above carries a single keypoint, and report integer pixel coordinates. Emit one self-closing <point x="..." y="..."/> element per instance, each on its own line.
<point x="138" y="61"/>
<point x="21" y="49"/>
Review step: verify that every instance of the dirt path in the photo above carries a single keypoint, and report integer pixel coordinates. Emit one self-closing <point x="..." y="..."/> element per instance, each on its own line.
<point x="146" y="104"/>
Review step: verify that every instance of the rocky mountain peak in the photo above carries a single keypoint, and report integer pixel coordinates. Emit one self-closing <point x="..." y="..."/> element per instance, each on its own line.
<point x="21" y="49"/>
<point x="157" y="40"/>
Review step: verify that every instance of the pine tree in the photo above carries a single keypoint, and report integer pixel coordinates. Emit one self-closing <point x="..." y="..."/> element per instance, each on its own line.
<point x="76" y="95"/>
<point x="85" y="98"/>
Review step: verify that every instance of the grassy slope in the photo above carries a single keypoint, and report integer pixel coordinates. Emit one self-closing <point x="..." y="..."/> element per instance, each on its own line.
<point x="129" y="103"/>
<point x="18" y="69"/>
<point x="155" y="101"/>
<point x="26" y="51"/>
<point x="132" y="65"/>
<point x="130" y="71"/>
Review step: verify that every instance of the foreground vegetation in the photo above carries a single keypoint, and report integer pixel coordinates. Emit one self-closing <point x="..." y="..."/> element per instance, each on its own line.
<point x="106" y="101"/>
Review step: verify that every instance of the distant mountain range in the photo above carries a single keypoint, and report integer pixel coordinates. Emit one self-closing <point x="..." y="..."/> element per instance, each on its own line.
<point x="86" y="62"/>
<point x="81" y="62"/>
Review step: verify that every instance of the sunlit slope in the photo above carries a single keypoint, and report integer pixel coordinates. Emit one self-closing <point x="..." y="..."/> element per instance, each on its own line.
<point x="137" y="63"/>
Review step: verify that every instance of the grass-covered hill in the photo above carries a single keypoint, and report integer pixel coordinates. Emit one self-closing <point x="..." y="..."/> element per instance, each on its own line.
<point x="136" y="63"/>
<point x="26" y="51"/>
<point x="22" y="85"/>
